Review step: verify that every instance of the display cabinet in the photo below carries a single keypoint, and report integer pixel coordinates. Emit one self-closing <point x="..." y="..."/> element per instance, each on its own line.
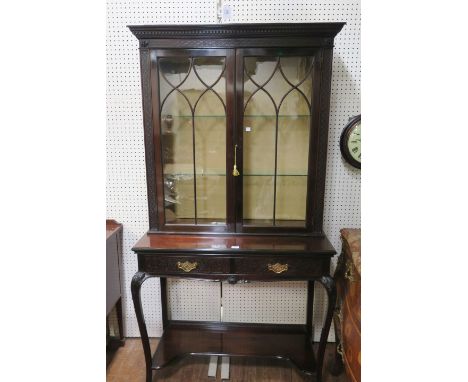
<point x="236" y="128"/>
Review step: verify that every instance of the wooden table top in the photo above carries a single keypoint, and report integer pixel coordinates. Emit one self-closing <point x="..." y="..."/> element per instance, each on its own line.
<point x="112" y="227"/>
<point x="352" y="244"/>
<point x="155" y="242"/>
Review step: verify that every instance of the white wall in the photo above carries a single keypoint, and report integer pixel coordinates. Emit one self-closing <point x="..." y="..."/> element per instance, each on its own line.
<point x="126" y="181"/>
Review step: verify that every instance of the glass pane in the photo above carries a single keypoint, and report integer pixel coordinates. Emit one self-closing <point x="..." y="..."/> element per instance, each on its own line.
<point x="259" y="136"/>
<point x="276" y="135"/>
<point x="193" y="130"/>
<point x="259" y="69"/>
<point x="211" y="199"/>
<point x="291" y="196"/>
<point x="296" y="70"/>
<point x="277" y="87"/>
<point x="293" y="136"/>
<point x="258" y="200"/>
<point x="179" y="199"/>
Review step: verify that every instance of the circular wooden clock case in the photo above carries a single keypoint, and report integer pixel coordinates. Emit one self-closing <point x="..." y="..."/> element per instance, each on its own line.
<point x="350" y="142"/>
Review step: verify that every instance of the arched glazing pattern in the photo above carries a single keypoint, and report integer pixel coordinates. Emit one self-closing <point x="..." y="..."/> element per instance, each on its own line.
<point x="276" y="136"/>
<point x="192" y="93"/>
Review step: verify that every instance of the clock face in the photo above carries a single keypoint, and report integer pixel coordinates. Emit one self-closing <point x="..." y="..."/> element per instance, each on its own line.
<point x="350" y="142"/>
<point x="354" y="142"/>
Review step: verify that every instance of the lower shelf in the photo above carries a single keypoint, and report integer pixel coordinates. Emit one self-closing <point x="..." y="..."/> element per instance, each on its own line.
<point x="182" y="338"/>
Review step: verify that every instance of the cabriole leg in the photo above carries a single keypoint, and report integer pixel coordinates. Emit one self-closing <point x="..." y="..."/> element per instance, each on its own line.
<point x="329" y="285"/>
<point x="137" y="282"/>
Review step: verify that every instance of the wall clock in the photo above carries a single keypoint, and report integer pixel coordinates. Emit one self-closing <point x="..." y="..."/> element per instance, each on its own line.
<point x="350" y="142"/>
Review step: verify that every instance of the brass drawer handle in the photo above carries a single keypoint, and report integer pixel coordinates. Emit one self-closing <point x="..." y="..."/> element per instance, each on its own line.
<point x="278" y="268"/>
<point x="187" y="266"/>
<point x="349" y="273"/>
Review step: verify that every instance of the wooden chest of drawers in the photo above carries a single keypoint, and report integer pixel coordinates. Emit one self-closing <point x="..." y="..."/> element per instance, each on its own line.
<point x="347" y="318"/>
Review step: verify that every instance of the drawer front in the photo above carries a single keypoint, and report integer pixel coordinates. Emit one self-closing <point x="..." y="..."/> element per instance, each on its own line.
<point x="353" y="297"/>
<point x="182" y="265"/>
<point x="351" y="340"/>
<point x="281" y="267"/>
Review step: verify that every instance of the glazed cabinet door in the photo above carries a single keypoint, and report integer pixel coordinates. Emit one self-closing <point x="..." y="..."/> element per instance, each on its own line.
<point x="192" y="104"/>
<point x="277" y="121"/>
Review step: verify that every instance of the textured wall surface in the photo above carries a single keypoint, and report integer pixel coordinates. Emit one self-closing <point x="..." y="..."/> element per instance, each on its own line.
<point x="126" y="181"/>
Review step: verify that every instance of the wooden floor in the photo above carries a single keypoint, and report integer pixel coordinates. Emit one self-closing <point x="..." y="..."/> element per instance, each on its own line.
<point x="128" y="365"/>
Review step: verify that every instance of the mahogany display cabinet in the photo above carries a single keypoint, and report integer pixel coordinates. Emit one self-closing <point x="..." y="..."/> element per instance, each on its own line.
<point x="236" y="128"/>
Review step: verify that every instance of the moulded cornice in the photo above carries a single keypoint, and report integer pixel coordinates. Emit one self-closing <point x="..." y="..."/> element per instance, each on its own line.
<point x="211" y="31"/>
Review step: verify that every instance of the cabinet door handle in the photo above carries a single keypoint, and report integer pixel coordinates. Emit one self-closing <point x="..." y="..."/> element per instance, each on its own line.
<point x="278" y="268"/>
<point x="235" y="172"/>
<point x="187" y="266"/>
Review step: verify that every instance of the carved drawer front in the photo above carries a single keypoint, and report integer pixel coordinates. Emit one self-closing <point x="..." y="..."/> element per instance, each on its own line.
<point x="183" y="265"/>
<point x="281" y="267"/>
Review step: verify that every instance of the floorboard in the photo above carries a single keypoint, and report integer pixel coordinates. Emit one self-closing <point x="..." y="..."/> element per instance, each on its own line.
<point x="128" y="365"/>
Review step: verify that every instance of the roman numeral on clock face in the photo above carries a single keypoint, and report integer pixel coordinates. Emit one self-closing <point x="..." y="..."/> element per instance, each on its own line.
<point x="354" y="149"/>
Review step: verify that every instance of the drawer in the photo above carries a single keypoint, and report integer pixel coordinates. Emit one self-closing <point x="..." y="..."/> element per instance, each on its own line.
<point x="353" y="297"/>
<point x="282" y="267"/>
<point x="351" y="340"/>
<point x="182" y="264"/>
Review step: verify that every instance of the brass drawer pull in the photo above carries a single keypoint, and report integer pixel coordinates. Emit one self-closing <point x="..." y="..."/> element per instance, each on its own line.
<point x="349" y="273"/>
<point x="278" y="268"/>
<point x="187" y="266"/>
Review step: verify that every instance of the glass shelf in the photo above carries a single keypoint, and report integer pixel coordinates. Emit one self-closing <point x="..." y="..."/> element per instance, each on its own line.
<point x="278" y="223"/>
<point x="279" y="116"/>
<point x="274" y="174"/>
<point x="191" y="174"/>
<point x="245" y="116"/>
<point x="205" y="174"/>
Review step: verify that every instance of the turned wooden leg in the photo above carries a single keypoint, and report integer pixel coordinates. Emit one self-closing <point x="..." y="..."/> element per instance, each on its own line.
<point x="137" y="281"/>
<point x="329" y="285"/>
